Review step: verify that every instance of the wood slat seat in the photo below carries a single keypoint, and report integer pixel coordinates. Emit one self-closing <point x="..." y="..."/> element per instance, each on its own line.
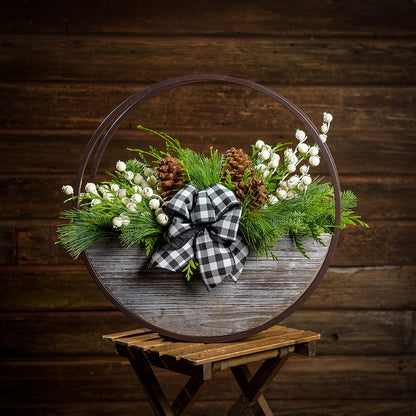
<point x="200" y="361"/>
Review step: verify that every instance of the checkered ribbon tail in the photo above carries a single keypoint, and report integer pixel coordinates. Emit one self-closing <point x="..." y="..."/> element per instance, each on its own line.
<point x="204" y="226"/>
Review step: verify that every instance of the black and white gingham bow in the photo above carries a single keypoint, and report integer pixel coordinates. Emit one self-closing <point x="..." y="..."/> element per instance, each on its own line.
<point x="204" y="226"/>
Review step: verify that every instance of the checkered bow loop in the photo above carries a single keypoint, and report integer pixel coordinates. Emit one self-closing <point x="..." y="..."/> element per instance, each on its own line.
<point x="204" y="226"/>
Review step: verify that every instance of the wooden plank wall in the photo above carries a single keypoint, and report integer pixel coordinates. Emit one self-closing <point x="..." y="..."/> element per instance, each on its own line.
<point x="65" y="65"/>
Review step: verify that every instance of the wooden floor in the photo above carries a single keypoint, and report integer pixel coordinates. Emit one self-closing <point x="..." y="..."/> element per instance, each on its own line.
<point x="64" y="68"/>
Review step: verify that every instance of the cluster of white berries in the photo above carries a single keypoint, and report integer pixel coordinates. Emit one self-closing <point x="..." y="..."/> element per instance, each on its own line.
<point x="140" y="188"/>
<point x="268" y="163"/>
<point x="137" y="178"/>
<point x="289" y="185"/>
<point x="143" y="187"/>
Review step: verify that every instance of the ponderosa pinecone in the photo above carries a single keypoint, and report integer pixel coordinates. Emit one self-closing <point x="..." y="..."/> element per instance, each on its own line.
<point x="253" y="190"/>
<point x="171" y="175"/>
<point x="237" y="163"/>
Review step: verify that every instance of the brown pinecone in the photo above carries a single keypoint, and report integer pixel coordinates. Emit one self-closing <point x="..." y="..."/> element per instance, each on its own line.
<point x="237" y="163"/>
<point x="254" y="190"/>
<point x="171" y="175"/>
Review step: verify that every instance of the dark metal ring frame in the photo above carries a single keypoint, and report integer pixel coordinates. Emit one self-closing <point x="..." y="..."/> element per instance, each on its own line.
<point x="113" y="121"/>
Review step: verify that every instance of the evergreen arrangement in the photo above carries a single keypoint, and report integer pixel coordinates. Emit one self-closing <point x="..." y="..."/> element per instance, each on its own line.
<point x="273" y="184"/>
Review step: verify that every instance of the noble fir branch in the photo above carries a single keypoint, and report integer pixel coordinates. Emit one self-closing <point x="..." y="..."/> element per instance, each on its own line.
<point x="320" y="206"/>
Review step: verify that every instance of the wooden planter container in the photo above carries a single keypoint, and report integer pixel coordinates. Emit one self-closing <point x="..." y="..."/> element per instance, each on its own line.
<point x="266" y="292"/>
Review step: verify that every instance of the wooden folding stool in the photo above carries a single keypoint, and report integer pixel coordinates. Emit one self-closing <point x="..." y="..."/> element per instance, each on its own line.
<point x="145" y="348"/>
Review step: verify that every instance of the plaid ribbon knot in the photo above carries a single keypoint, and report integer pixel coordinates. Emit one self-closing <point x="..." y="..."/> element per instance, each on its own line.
<point x="204" y="226"/>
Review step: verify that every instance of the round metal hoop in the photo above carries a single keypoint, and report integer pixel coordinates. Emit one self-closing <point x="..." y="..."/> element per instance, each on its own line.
<point x="111" y="123"/>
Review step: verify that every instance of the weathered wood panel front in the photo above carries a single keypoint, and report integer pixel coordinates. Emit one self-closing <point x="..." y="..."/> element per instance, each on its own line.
<point x="166" y="302"/>
<point x="64" y="67"/>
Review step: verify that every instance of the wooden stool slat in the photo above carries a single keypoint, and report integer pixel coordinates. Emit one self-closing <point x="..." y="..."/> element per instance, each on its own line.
<point x="199" y="359"/>
<point x="181" y="349"/>
<point x="140" y="339"/>
<point x="148" y="345"/>
<point x="245" y="359"/>
<point x="257" y="345"/>
<point x="192" y="348"/>
<point x="120" y="335"/>
<point x="174" y="348"/>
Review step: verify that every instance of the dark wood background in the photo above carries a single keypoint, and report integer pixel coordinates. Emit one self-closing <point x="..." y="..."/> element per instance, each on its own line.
<point x="65" y="65"/>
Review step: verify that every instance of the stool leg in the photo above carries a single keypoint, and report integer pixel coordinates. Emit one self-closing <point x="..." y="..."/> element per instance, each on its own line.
<point x="243" y="375"/>
<point x="148" y="380"/>
<point x="251" y="398"/>
<point x="187" y="396"/>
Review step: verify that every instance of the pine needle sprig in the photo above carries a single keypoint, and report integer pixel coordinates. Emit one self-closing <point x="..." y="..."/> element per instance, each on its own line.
<point x="173" y="147"/>
<point x="203" y="171"/>
<point x="155" y="154"/>
<point x="83" y="230"/>
<point x="307" y="215"/>
<point x="143" y="228"/>
<point x="258" y="232"/>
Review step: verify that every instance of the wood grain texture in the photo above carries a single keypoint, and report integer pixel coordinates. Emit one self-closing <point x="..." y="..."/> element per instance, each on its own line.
<point x="59" y="152"/>
<point x="366" y="288"/>
<point x="385" y="243"/>
<point x="348" y="332"/>
<point x="42" y="235"/>
<point x="58" y="333"/>
<point x="50" y="289"/>
<point x="146" y="59"/>
<point x="7" y="244"/>
<point x="218" y="407"/>
<point x="71" y="288"/>
<point x="326" y="18"/>
<point x="264" y="291"/>
<point x="76" y="333"/>
<point x="302" y="378"/>
<point x="84" y="106"/>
